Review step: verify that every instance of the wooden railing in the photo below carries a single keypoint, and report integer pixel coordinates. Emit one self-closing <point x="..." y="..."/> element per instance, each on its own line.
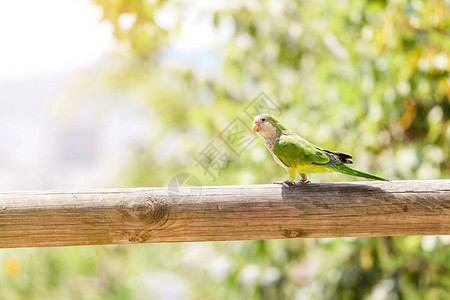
<point x="224" y="213"/>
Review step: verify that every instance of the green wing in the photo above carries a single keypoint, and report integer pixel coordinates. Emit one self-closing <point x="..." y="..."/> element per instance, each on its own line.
<point x="295" y="151"/>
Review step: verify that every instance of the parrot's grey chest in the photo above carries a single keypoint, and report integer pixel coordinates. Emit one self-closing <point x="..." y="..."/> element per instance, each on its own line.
<point x="269" y="145"/>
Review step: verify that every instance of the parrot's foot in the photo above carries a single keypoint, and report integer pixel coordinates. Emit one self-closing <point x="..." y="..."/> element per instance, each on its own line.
<point x="301" y="181"/>
<point x="286" y="183"/>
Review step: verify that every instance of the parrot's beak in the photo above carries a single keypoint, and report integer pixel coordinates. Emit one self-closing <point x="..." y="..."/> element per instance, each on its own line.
<point x="255" y="127"/>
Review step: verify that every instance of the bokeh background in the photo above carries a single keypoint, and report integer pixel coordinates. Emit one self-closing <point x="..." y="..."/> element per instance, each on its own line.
<point x="129" y="93"/>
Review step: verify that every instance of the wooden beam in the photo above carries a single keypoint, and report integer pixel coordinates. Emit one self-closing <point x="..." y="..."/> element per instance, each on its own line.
<point x="224" y="213"/>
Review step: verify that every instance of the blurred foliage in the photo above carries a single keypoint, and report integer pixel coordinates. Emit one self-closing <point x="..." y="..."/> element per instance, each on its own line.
<point x="370" y="78"/>
<point x="367" y="78"/>
<point x="350" y="268"/>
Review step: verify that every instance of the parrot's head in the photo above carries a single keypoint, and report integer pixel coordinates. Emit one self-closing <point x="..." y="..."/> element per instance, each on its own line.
<point x="266" y="125"/>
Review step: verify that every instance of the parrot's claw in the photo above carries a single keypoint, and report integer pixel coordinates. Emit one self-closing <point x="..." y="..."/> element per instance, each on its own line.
<point x="301" y="181"/>
<point x="286" y="183"/>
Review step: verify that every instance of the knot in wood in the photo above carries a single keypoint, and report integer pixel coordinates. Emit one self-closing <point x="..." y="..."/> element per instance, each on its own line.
<point x="147" y="209"/>
<point x="136" y="239"/>
<point x="296" y="233"/>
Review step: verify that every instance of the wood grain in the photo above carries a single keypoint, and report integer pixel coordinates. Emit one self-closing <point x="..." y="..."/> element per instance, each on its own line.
<point x="224" y="213"/>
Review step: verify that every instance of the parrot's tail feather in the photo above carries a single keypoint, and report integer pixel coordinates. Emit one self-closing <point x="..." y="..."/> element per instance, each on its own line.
<point x="349" y="171"/>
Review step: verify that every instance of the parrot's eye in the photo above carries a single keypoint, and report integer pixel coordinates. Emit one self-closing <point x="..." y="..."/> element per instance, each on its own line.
<point x="263" y="119"/>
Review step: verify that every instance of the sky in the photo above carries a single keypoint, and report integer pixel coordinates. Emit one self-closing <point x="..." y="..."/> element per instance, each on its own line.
<point x="49" y="136"/>
<point x="53" y="36"/>
<point x="50" y="36"/>
<point x="54" y="132"/>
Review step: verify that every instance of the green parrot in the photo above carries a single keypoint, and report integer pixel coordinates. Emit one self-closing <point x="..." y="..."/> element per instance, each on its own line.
<point x="298" y="156"/>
